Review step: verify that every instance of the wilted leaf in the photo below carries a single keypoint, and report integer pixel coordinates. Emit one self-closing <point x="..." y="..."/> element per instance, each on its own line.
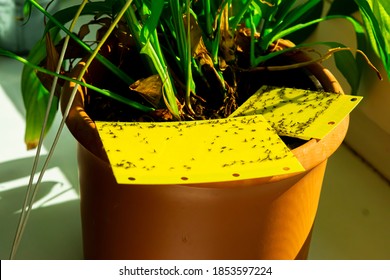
<point x="150" y="89"/>
<point x="84" y="31"/>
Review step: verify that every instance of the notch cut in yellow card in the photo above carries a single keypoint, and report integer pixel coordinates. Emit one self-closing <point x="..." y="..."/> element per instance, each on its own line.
<point x="196" y="151"/>
<point x="299" y="113"/>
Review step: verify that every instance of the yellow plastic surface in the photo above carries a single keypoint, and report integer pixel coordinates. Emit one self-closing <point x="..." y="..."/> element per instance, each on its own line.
<point x="299" y="113"/>
<point x="196" y="151"/>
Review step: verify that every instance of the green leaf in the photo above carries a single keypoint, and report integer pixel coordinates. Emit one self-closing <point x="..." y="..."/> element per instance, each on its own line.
<point x="283" y="7"/>
<point x="154" y="53"/>
<point x="376" y="16"/>
<point x="287" y="21"/>
<point x="302" y="34"/>
<point x="296" y="14"/>
<point x="176" y="16"/>
<point x="240" y="8"/>
<point x="294" y="28"/>
<point x="151" y="23"/>
<point x="36" y="98"/>
<point x="343" y="7"/>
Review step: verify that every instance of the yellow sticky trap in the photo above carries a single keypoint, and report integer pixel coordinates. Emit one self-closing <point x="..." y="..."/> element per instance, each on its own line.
<point x="196" y="151"/>
<point x="299" y="113"/>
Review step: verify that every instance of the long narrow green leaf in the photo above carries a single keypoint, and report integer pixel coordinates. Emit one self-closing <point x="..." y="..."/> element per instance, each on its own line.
<point x="357" y="26"/>
<point x="266" y="10"/>
<point x="151" y="23"/>
<point x="176" y="16"/>
<point x="292" y="17"/>
<point x="301" y="35"/>
<point x="239" y="12"/>
<point x="183" y="38"/>
<point x="283" y="7"/>
<point x="352" y="75"/>
<point x="213" y="43"/>
<point x="104" y="92"/>
<point x="208" y="17"/>
<point x="376" y="16"/>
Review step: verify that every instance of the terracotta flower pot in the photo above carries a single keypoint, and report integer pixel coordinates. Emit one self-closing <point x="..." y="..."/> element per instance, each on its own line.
<point x="264" y="218"/>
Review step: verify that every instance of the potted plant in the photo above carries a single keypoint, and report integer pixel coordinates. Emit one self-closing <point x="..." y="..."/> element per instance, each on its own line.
<point x="185" y="62"/>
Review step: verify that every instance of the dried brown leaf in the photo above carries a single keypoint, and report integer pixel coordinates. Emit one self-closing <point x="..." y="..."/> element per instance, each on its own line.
<point x="84" y="31"/>
<point x="149" y="88"/>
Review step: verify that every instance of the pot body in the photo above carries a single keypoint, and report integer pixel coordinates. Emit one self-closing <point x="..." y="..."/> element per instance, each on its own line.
<point x="241" y="220"/>
<point x="263" y="218"/>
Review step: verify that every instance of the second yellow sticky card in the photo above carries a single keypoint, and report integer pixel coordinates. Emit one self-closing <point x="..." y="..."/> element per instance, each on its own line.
<point x="299" y="113"/>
